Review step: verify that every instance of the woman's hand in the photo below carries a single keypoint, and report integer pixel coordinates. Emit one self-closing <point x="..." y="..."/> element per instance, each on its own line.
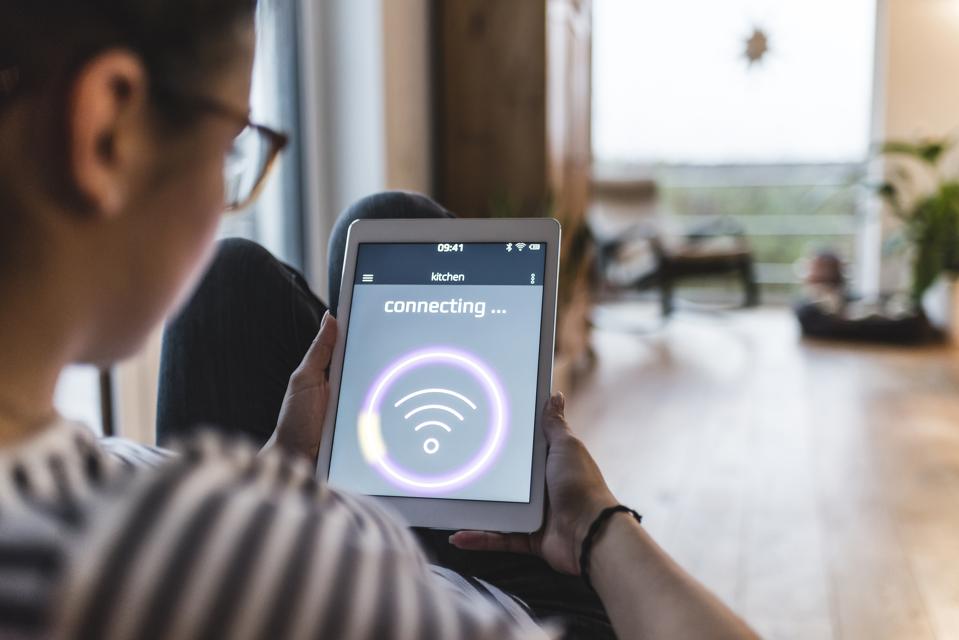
<point x="300" y="424"/>
<point x="576" y="493"/>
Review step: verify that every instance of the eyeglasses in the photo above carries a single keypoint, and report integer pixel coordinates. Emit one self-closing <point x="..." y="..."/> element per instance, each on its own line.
<point x="251" y="157"/>
<point x="249" y="162"/>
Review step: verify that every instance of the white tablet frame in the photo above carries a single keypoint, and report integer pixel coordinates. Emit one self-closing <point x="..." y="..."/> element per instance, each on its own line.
<point x="444" y="513"/>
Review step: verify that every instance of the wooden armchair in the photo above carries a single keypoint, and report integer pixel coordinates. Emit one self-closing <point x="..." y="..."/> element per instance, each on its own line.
<point x="639" y="258"/>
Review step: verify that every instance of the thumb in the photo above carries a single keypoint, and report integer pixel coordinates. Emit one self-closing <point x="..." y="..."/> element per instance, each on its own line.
<point x="491" y="541"/>
<point x="313" y="367"/>
<point x="554" y="418"/>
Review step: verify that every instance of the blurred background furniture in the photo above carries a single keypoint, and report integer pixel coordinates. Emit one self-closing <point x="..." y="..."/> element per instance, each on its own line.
<point x="639" y="259"/>
<point x="638" y="248"/>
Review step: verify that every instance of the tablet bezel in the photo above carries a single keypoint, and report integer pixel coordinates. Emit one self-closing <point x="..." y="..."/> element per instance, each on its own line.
<point x="444" y="513"/>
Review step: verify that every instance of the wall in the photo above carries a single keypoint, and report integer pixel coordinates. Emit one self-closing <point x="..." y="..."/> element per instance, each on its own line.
<point x="921" y="64"/>
<point x="407" y="93"/>
<point x="916" y="96"/>
<point x="341" y="107"/>
<point x="365" y="108"/>
<point x="135" y="392"/>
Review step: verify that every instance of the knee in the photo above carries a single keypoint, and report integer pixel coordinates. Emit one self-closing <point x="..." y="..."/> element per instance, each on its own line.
<point x="387" y="205"/>
<point x="233" y="254"/>
<point x="235" y="261"/>
<point x="395" y="204"/>
<point x="379" y="206"/>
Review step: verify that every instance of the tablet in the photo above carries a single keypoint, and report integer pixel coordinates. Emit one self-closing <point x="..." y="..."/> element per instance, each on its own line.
<point x="442" y="367"/>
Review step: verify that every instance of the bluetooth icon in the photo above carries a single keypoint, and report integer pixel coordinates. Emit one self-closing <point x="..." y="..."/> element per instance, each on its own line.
<point x="509" y="246"/>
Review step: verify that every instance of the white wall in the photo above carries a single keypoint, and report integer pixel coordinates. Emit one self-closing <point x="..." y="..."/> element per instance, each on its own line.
<point x="916" y="93"/>
<point x="135" y="392"/>
<point x="355" y="99"/>
<point x="343" y="118"/>
<point x="921" y="67"/>
<point x="367" y="103"/>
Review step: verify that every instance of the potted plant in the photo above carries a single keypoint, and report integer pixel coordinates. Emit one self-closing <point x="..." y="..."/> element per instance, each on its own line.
<point x="923" y="195"/>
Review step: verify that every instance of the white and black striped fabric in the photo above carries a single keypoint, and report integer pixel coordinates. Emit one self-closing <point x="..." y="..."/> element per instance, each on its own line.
<point x="214" y="542"/>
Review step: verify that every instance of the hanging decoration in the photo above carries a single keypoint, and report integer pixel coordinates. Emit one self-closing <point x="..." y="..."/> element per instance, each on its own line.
<point x="757" y="46"/>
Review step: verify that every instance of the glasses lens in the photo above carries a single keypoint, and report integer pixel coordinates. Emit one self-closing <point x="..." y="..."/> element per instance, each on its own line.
<point x="246" y="163"/>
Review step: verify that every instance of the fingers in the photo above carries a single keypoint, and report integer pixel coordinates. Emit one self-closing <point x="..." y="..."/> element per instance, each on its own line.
<point x="490" y="541"/>
<point x="554" y="418"/>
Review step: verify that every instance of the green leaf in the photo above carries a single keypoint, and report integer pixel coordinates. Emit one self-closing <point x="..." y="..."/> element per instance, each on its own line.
<point x="928" y="151"/>
<point x="887" y="191"/>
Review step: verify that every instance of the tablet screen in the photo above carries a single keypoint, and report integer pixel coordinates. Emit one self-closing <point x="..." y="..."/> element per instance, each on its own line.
<point x="438" y="389"/>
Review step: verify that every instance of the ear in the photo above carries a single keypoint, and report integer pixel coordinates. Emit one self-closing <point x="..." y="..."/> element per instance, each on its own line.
<point x="107" y="113"/>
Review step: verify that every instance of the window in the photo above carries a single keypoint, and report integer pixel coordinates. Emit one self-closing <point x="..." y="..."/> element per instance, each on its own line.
<point x="777" y="144"/>
<point x="672" y="84"/>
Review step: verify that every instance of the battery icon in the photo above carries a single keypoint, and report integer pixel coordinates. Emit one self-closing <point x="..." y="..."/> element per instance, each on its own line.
<point x="534" y="247"/>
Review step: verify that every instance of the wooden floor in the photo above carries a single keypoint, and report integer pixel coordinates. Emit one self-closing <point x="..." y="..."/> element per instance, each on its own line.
<point x="814" y="487"/>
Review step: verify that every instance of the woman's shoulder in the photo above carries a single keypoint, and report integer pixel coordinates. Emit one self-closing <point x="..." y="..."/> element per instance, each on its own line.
<point x="232" y="467"/>
<point x="220" y="518"/>
<point x="224" y="475"/>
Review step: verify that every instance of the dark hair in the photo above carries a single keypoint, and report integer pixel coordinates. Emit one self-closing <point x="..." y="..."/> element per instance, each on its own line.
<point x="48" y="41"/>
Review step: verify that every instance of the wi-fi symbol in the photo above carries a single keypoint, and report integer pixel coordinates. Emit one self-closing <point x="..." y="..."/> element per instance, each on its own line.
<point x="520" y="245"/>
<point x="435" y="414"/>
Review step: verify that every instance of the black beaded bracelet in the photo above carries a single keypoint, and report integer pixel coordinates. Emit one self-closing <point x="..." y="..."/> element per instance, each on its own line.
<point x="587" y="547"/>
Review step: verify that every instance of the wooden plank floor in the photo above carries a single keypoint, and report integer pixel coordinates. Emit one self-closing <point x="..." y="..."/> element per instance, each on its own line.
<point x="814" y="487"/>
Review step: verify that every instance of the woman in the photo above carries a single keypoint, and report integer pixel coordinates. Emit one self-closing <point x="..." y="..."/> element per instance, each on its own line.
<point x="116" y="118"/>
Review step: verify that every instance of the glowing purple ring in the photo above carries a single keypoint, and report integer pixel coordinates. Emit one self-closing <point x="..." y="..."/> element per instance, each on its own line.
<point x="406" y="479"/>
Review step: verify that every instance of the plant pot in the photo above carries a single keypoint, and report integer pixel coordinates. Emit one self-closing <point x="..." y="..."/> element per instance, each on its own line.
<point x="940" y="303"/>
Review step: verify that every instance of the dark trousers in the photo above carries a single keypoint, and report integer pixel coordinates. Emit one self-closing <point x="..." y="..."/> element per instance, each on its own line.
<point x="227" y="358"/>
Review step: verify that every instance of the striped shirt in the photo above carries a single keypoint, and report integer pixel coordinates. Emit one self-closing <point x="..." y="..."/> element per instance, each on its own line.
<point x="103" y="539"/>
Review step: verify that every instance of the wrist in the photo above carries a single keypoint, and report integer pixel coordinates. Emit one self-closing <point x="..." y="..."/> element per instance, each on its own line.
<point x="616" y="534"/>
<point x="593" y="536"/>
<point x="581" y="530"/>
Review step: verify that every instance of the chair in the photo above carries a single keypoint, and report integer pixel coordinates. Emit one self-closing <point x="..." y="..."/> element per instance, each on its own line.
<point x="639" y="258"/>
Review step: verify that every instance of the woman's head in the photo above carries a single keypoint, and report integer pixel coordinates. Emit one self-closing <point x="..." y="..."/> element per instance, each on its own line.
<point x="115" y="120"/>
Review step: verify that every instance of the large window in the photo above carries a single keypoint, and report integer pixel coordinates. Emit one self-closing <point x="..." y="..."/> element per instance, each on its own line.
<point x="776" y="144"/>
<point x="672" y="82"/>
